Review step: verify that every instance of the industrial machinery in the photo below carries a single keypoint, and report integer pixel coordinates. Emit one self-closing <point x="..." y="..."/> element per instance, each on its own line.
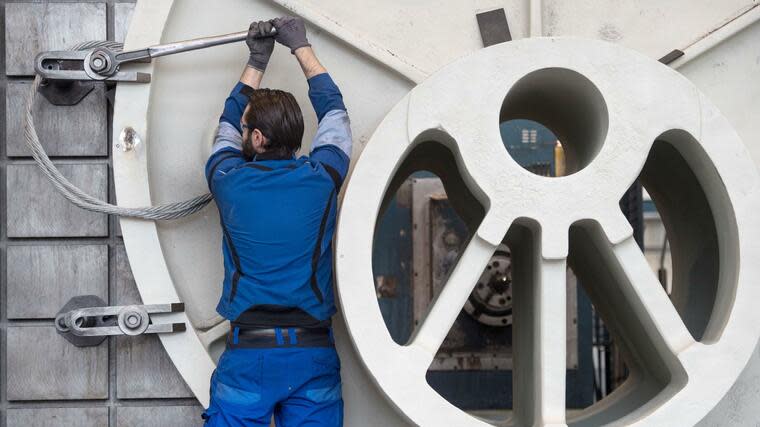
<point x="427" y="333"/>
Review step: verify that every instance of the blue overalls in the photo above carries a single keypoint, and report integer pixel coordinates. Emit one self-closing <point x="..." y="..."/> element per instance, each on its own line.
<point x="278" y="218"/>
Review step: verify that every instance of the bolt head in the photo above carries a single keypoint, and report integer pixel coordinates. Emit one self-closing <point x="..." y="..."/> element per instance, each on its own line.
<point x="99" y="62"/>
<point x="133" y="320"/>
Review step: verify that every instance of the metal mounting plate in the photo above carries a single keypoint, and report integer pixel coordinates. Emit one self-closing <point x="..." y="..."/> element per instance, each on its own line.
<point x="84" y="301"/>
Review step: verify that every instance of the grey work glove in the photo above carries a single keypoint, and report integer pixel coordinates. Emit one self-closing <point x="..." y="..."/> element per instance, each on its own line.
<point x="291" y="32"/>
<point x="260" y="44"/>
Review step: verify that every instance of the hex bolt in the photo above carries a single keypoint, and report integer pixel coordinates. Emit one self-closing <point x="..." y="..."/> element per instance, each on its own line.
<point x="133" y="320"/>
<point x="100" y="62"/>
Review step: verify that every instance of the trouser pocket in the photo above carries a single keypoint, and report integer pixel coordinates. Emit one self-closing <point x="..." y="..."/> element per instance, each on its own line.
<point x="237" y="393"/>
<point x="325" y="384"/>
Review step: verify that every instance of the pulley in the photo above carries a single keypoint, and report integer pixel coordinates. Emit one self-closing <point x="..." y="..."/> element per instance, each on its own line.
<point x="490" y="302"/>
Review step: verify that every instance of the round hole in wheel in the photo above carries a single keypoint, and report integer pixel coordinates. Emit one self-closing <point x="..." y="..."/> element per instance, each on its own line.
<point x="550" y="105"/>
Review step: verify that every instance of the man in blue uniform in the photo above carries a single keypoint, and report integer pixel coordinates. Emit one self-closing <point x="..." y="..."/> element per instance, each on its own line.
<point x="277" y="214"/>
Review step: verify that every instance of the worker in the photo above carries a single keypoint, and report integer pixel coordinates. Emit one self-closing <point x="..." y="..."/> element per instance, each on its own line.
<point x="277" y="214"/>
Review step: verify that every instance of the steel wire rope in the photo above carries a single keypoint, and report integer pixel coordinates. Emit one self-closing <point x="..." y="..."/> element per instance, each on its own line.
<point x="76" y="195"/>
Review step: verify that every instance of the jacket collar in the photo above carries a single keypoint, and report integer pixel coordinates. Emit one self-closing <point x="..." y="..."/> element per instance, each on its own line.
<point x="271" y="156"/>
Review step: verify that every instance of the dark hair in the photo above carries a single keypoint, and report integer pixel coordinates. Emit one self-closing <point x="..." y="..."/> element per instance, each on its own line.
<point x="276" y="114"/>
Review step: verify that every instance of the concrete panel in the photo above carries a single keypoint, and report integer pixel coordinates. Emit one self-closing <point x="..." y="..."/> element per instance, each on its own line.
<point x="160" y="416"/>
<point x="653" y="28"/>
<point x="122" y="15"/>
<point x="58" y="417"/>
<point x="31" y="28"/>
<point x="143" y="368"/>
<point x="44" y="366"/>
<point x="77" y="130"/>
<point x="41" y="279"/>
<point x="727" y="74"/>
<point x="35" y="209"/>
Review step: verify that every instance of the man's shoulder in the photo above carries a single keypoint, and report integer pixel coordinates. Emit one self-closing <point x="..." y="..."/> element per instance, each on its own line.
<point x="223" y="159"/>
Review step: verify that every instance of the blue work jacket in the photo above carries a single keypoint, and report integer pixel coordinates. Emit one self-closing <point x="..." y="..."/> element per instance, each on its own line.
<point x="278" y="216"/>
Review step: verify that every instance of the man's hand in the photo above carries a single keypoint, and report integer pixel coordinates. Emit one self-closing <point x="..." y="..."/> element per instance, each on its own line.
<point x="259" y="44"/>
<point x="291" y="32"/>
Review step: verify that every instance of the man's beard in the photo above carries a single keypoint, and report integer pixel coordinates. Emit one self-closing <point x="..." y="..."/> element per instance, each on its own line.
<point x="248" y="151"/>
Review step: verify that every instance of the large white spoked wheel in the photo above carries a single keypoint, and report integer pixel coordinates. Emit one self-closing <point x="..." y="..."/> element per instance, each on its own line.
<point x="620" y="116"/>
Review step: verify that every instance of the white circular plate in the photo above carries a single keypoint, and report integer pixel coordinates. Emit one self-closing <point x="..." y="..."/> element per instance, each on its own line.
<point x="460" y="106"/>
<point x="608" y="105"/>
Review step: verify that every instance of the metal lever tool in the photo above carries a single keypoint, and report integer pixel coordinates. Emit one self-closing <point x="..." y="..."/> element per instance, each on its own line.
<point x="104" y="64"/>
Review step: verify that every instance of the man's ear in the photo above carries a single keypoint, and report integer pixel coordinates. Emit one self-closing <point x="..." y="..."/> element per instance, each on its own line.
<point x="258" y="139"/>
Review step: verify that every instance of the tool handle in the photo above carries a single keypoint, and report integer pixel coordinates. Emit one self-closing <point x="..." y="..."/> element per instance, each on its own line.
<point x="183" y="46"/>
<point x="202" y="43"/>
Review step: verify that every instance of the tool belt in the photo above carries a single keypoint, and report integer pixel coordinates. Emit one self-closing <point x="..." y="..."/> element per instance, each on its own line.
<point x="247" y="337"/>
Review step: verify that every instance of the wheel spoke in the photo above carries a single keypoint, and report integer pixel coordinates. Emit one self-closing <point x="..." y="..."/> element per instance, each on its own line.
<point x="632" y="302"/>
<point x="655" y="311"/>
<point x="449" y="303"/>
<point x="540" y="334"/>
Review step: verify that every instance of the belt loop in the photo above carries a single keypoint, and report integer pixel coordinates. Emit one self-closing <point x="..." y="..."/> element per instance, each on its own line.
<point x="236" y="335"/>
<point x="292" y="336"/>
<point x="278" y="335"/>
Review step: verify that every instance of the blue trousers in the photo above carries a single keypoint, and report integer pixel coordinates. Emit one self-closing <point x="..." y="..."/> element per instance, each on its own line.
<point x="300" y="386"/>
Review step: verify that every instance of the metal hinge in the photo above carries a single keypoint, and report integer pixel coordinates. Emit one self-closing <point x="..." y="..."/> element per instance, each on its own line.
<point x="86" y="320"/>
